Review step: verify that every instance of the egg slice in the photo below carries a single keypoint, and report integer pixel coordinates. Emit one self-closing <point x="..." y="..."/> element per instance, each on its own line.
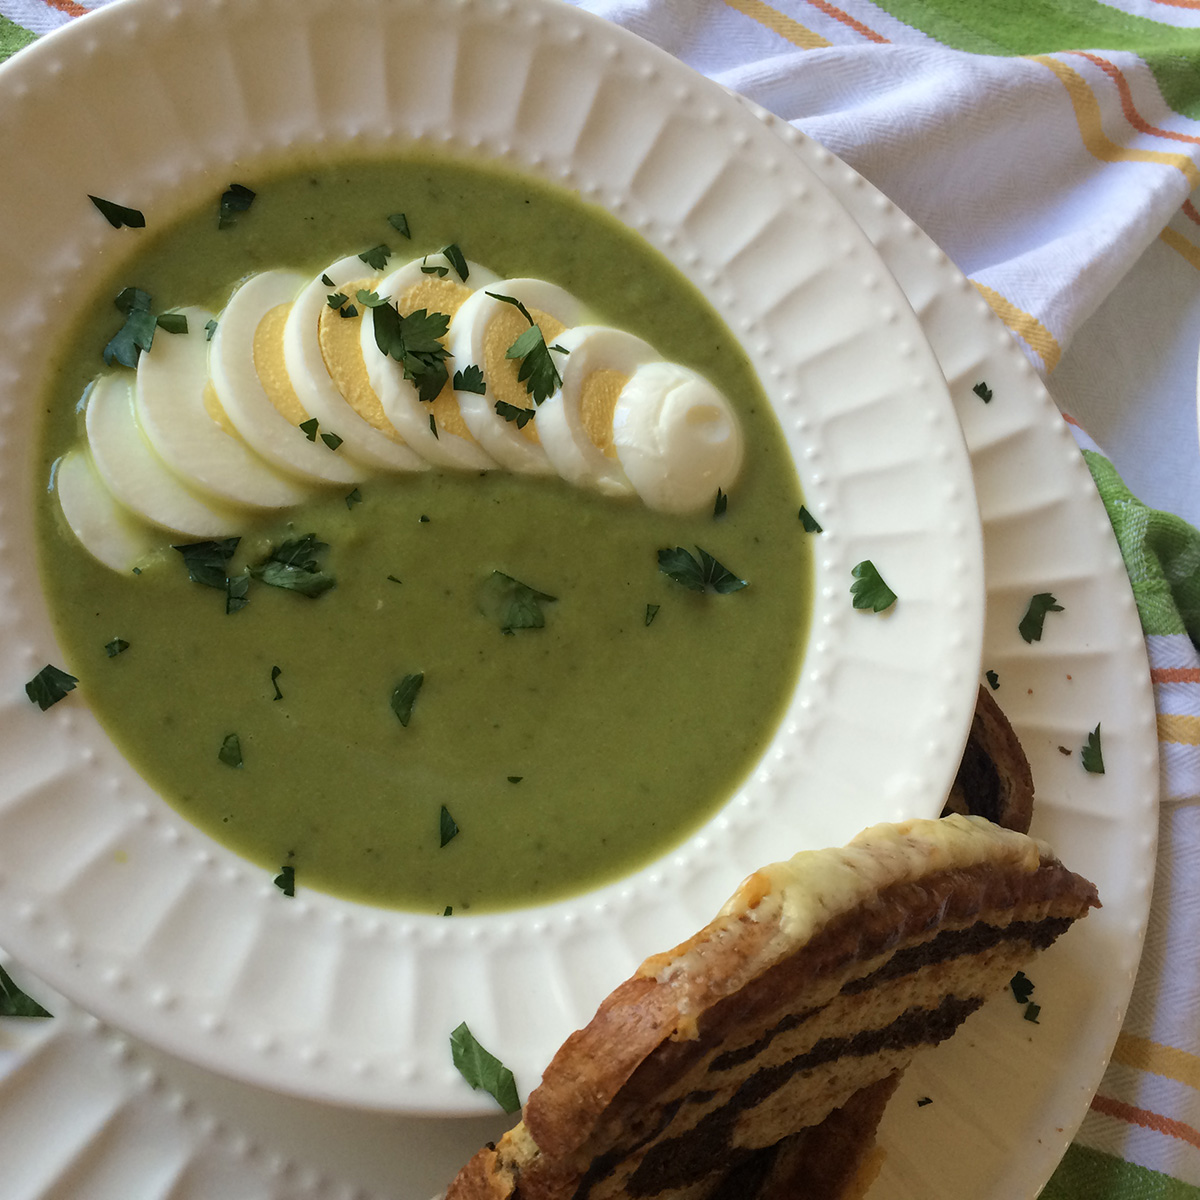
<point x="105" y="530"/>
<point x="576" y="424"/>
<point x="676" y="437"/>
<point x="323" y="353"/>
<point x="480" y="335"/>
<point x="414" y="286"/>
<point x="182" y="419"/>
<point x="134" y="473"/>
<point x="254" y="389"/>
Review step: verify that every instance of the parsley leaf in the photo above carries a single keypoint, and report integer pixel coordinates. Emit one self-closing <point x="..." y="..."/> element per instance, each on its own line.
<point x="236" y="200"/>
<point x="448" y="911"/>
<point x="720" y="504"/>
<point x="1091" y="755"/>
<point x="336" y="299"/>
<point x="512" y="412"/>
<point x="353" y="498"/>
<point x="512" y="604"/>
<point x="331" y="440"/>
<point x="993" y="679"/>
<point x="1032" y="1011"/>
<point x="399" y="222"/>
<point x="455" y="258"/>
<point x="537" y="372"/>
<point x="1032" y="622"/>
<point x="651" y="612"/>
<point x="809" y="521"/>
<point x="205" y="561"/>
<point x="705" y="574"/>
<point x="514" y="778"/>
<point x="15" y="1003"/>
<point x="470" y="379"/>
<point x="433" y="426"/>
<point x="115" y="647"/>
<point x="405" y="696"/>
<point x="172" y="322"/>
<point x="983" y="392"/>
<point x="869" y="590"/>
<point x="285" y="881"/>
<point x="310" y="428"/>
<point x="230" y="752"/>
<point x="349" y="311"/>
<point x="237" y="593"/>
<point x="415" y="342"/>
<point x="137" y="334"/>
<point x="49" y="686"/>
<point x="1022" y="987"/>
<point x="483" y="1070"/>
<point x="210" y="327"/>
<point x="370" y="299"/>
<point x="117" y="214"/>
<point x="447" y="827"/>
<point x="293" y="565"/>
<point x="275" y="674"/>
<point x="376" y="258"/>
<point x="440" y="272"/>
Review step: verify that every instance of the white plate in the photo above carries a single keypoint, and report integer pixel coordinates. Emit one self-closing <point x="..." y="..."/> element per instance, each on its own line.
<point x="182" y="942"/>
<point x="992" y="1133"/>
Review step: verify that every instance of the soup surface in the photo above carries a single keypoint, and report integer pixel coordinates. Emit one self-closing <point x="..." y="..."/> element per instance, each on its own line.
<point x="563" y="756"/>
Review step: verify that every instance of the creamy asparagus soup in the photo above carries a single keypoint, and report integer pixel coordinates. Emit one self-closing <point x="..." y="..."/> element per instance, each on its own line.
<point x="450" y="688"/>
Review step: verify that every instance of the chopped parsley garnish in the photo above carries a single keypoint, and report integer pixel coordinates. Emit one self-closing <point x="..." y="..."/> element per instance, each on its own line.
<point x="1022" y="987"/>
<point x="172" y="322"/>
<point x="236" y="200"/>
<point x="348" y="312"/>
<point x="210" y="327"/>
<point x="702" y="575"/>
<point x="993" y="679"/>
<point x="454" y="256"/>
<point x="237" y="593"/>
<point x="275" y="674"/>
<point x="470" y="379"/>
<point x="117" y="214"/>
<point x="447" y="827"/>
<point x="399" y="222"/>
<point x="809" y="521"/>
<point x="49" y="686"/>
<point x="414" y="341"/>
<point x="115" y="647"/>
<point x="206" y="561"/>
<point x="1032" y="1011"/>
<point x="440" y="272"/>
<point x="16" y="1003"/>
<point x="423" y="519"/>
<point x="230" y="752"/>
<point x="923" y="1101"/>
<point x="433" y="425"/>
<point x="651" y="612"/>
<point x="376" y="258"/>
<point x="483" y="1070"/>
<point x="512" y="412"/>
<point x="404" y="697"/>
<point x="370" y="299"/>
<point x="336" y="299"/>
<point x="393" y="579"/>
<point x="310" y="428"/>
<point x="512" y="604"/>
<point x="293" y="566"/>
<point x="720" y="504"/>
<point x="331" y="440"/>
<point x="137" y="334"/>
<point x="537" y="372"/>
<point x="1091" y="755"/>
<point x="353" y="498"/>
<point x="1034" y="619"/>
<point x="983" y="392"/>
<point x="869" y="590"/>
<point x="515" y="778"/>
<point x="285" y="881"/>
<point x="326" y="281"/>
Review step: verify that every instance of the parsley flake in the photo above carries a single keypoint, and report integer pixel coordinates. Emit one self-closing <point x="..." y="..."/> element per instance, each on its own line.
<point x="537" y="372"/>
<point x="448" y="911"/>
<point x="285" y="881"/>
<point x="1032" y="1011"/>
<point x="326" y="281"/>
<point x="336" y="299"/>
<point x="703" y="575"/>
<point x="275" y="674"/>
<point x="370" y="299"/>
<point x="310" y="428"/>
<point x="809" y="521"/>
<point x="1091" y="755"/>
<point x="415" y="342"/>
<point x="206" y="561"/>
<point x="515" y="778"/>
<point x="869" y="590"/>
<point x="348" y="312"/>
<point x="512" y="604"/>
<point x="353" y="498"/>
<point x="483" y="1070"/>
<point x="470" y="379"/>
<point x="447" y="827"/>
<point x="136" y="334"/>
<point x="454" y="256"/>
<point x="236" y="200"/>
<point x="399" y="222"/>
<point x="117" y="214"/>
<point x="16" y="1003"/>
<point x="651" y="612"/>
<point x="993" y="679"/>
<point x="923" y="1101"/>
<point x="512" y="412"/>
<point x="49" y="686"/>
<point x="405" y="696"/>
<point x="433" y="426"/>
<point x="115" y="647"/>
<point x="440" y="272"/>
<point x="1030" y="627"/>
<point x="1022" y="987"/>
<point x="376" y="258"/>
<point x="331" y="440"/>
<point x="984" y="392"/>
<point x="293" y="566"/>
<point x="210" y="327"/>
<point x="172" y="322"/>
<point x="230" y="752"/>
<point x="237" y="593"/>
<point x="720" y="504"/>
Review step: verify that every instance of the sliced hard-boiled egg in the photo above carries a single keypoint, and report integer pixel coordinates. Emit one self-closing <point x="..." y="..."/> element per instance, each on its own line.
<point x="433" y="284"/>
<point x="182" y="419"/>
<point x="253" y="386"/>
<point x="104" y="529"/>
<point x="135" y="474"/>
<point x="676" y="437"/>
<point x="323" y="352"/>
<point x="576" y="424"/>
<point x="483" y="331"/>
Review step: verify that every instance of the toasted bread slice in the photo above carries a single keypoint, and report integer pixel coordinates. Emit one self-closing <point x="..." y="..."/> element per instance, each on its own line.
<point x="809" y="992"/>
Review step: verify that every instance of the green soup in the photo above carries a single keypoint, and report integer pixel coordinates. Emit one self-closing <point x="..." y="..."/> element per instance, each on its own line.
<point x="565" y="756"/>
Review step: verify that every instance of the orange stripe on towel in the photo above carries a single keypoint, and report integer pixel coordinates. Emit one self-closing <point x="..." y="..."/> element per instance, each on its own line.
<point x="66" y="6"/>
<point x="852" y="22"/>
<point x="1175" y="675"/>
<point x="1146" y="1119"/>
<point x="1127" y="105"/>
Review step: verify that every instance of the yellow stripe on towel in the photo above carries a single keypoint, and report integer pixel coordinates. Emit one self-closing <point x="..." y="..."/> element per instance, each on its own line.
<point x="777" y="22"/>
<point x="1167" y="1061"/>
<point x="1179" y="727"/>
<point x="1025" y="325"/>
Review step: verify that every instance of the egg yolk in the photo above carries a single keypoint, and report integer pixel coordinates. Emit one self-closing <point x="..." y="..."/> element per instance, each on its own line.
<point x="214" y="408"/>
<point x="270" y="367"/>
<point x="500" y="371"/>
<point x="597" y="402"/>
